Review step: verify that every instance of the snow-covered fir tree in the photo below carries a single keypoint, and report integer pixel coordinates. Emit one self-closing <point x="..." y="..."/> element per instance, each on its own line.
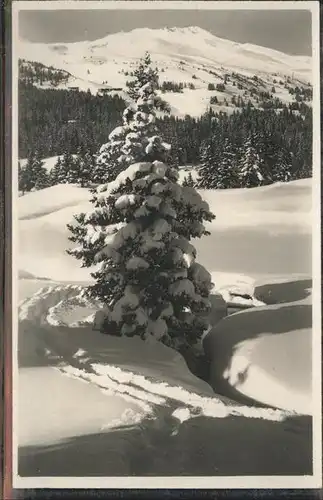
<point x="21" y="180"/>
<point x="226" y="174"/>
<point x="24" y="179"/>
<point x="250" y="171"/>
<point x="138" y="234"/>
<point x="86" y="168"/>
<point x="111" y="160"/>
<point x="144" y="73"/>
<point x="42" y="178"/>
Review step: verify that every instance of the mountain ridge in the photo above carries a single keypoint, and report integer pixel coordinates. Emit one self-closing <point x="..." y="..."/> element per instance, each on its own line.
<point x="191" y="56"/>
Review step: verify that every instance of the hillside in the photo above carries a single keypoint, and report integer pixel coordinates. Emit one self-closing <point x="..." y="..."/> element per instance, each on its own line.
<point x="190" y="57"/>
<point x="252" y="234"/>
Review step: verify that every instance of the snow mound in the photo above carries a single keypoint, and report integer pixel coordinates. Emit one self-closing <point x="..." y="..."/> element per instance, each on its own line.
<point x="49" y="200"/>
<point x="279" y="207"/>
<point x="265" y="353"/>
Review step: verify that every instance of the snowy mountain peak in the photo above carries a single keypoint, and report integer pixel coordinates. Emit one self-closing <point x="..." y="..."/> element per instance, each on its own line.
<point x="187" y="56"/>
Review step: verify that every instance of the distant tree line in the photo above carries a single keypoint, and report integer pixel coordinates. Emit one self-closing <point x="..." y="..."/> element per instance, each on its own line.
<point x="271" y="131"/>
<point x="68" y="169"/>
<point x="52" y="121"/>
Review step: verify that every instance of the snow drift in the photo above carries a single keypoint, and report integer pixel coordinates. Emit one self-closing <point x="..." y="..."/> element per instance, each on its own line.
<point x="266" y="353"/>
<point x="141" y="411"/>
<point x="252" y="234"/>
<point x="162" y="415"/>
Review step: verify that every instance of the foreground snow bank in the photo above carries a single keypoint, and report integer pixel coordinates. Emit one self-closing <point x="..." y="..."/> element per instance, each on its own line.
<point x="52" y="408"/>
<point x="125" y="360"/>
<point x="266" y="353"/>
<point x="141" y="411"/>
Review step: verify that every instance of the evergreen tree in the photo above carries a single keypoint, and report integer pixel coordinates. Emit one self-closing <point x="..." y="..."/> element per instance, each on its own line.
<point x="24" y="179"/>
<point x="34" y="175"/>
<point x="42" y="179"/>
<point x="70" y="167"/>
<point x="282" y="171"/>
<point x="226" y="175"/>
<point x="55" y="173"/>
<point x="188" y="181"/>
<point x="143" y="74"/>
<point x="110" y="160"/>
<point x="86" y="169"/>
<point x="138" y="233"/>
<point x="250" y="172"/>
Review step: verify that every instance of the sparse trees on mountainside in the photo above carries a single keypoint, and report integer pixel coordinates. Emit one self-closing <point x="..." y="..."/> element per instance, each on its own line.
<point x="36" y="72"/>
<point x="138" y="234"/>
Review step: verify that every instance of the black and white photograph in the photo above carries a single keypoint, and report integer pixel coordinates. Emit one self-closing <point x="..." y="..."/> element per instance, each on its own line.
<point x="166" y="245"/>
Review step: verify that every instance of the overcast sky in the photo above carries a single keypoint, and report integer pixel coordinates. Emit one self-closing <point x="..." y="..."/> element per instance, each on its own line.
<point x="287" y="31"/>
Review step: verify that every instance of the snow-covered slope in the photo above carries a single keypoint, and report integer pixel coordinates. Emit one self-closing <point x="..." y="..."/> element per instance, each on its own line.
<point x="189" y="55"/>
<point x="144" y="400"/>
<point x="264" y="230"/>
<point x="153" y="416"/>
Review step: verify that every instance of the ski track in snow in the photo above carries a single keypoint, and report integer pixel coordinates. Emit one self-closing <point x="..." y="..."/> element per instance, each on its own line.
<point x="44" y="309"/>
